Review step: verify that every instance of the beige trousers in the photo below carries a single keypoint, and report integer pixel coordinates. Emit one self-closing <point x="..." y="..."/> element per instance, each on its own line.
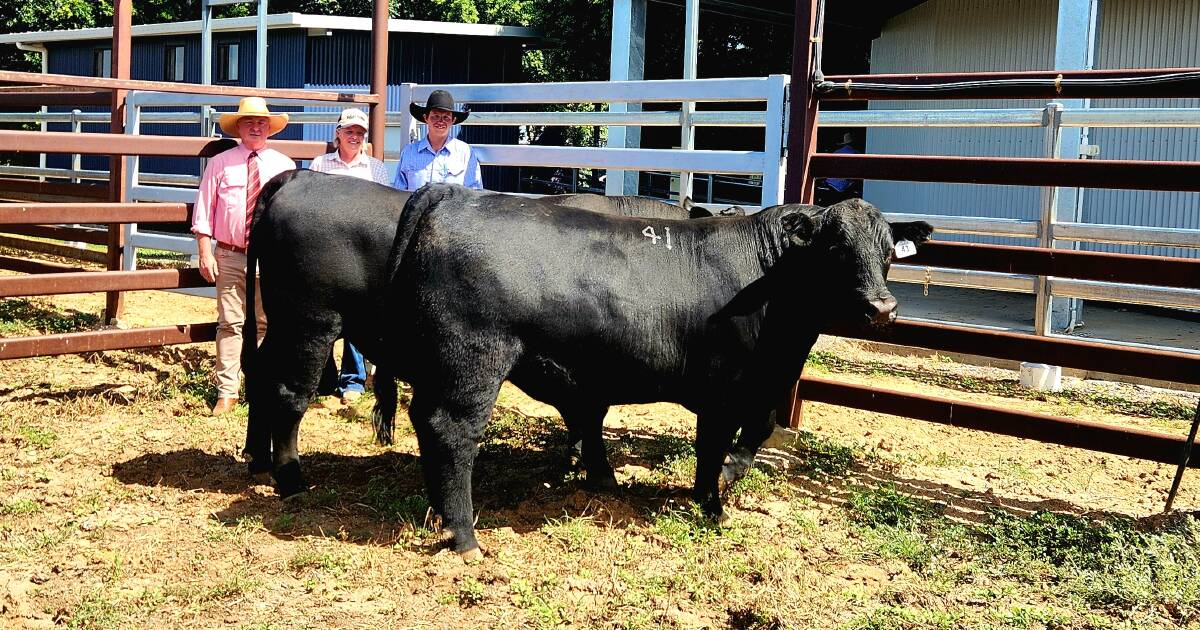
<point x="231" y="313"/>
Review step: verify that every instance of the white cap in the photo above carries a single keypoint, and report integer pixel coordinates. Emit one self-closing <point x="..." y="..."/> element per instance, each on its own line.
<point x="353" y="116"/>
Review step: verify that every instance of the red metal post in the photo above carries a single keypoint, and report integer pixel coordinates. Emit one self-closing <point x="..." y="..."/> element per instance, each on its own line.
<point x="801" y="144"/>
<point x="114" y="303"/>
<point x="379" y="62"/>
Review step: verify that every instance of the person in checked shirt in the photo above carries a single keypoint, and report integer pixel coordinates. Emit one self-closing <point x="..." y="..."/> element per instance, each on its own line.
<point x="437" y="158"/>
<point x="350" y="158"/>
<point x="224" y="208"/>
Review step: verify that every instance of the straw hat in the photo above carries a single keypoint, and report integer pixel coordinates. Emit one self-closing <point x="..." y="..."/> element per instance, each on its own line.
<point x="438" y="99"/>
<point x="253" y="106"/>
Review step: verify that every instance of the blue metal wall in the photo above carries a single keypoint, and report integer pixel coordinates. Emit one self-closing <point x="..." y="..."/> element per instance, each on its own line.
<point x="341" y="60"/>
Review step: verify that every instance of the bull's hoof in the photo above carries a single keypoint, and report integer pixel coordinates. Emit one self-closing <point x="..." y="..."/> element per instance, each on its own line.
<point x="730" y="475"/>
<point x="258" y="467"/>
<point x="289" y="481"/>
<point x="601" y="481"/>
<point x="472" y="556"/>
<point x="575" y="456"/>
<point x="470" y="552"/>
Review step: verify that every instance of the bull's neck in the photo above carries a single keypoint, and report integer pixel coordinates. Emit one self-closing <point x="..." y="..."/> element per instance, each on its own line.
<point x="767" y="234"/>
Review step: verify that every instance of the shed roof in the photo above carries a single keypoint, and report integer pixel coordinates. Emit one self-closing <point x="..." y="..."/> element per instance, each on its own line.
<point x="277" y="21"/>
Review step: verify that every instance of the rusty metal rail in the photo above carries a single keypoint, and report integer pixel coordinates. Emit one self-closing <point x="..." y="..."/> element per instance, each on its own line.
<point x="92" y="237"/>
<point x="26" y="214"/>
<point x="1148" y="445"/>
<point x="38" y="79"/>
<point x="1036" y="84"/>
<point x="92" y="282"/>
<point x="94" y="341"/>
<point x="30" y="190"/>
<point x="1133" y="174"/>
<point x="36" y="266"/>
<point x="168" y="146"/>
<point x="1081" y="265"/>
<point x="1162" y="365"/>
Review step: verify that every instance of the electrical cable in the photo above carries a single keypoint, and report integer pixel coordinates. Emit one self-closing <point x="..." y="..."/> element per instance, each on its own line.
<point x="1058" y="83"/>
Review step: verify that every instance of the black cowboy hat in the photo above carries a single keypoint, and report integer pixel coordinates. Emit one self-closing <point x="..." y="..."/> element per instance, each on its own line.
<point x="438" y="99"/>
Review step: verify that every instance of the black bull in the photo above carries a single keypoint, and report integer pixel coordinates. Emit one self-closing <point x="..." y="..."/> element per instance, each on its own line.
<point x="583" y="310"/>
<point x="322" y="243"/>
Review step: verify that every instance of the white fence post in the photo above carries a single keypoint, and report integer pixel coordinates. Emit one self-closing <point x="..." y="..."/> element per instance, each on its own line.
<point x="774" y="168"/>
<point x="1052" y="142"/>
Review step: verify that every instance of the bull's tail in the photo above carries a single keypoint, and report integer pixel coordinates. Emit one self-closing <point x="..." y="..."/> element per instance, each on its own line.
<point x="254" y="248"/>
<point x="383" y="416"/>
<point x="420" y="203"/>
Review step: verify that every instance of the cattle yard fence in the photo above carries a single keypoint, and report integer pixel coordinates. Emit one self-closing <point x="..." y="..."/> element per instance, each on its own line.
<point x="1053" y="119"/>
<point x="1045" y="269"/>
<point x="1045" y="263"/>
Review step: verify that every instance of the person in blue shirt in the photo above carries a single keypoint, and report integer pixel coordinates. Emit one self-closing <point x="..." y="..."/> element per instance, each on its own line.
<point x="437" y="158"/>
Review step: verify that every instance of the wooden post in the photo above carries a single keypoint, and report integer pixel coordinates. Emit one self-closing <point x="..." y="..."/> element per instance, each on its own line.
<point x="114" y="303"/>
<point x="802" y="143"/>
<point x="379" y="62"/>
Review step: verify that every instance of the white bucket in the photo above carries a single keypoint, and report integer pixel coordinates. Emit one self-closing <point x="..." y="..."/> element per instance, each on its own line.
<point x="1042" y="377"/>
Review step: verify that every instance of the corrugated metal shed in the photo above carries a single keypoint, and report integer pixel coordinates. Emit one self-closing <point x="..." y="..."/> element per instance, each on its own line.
<point x="1147" y="34"/>
<point x="340" y="59"/>
<point x="962" y="36"/>
<point x="965" y="35"/>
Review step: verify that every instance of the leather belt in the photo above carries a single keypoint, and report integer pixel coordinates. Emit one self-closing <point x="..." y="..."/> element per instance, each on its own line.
<point x="232" y="248"/>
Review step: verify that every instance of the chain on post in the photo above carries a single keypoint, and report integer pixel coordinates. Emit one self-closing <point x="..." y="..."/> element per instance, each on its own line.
<point x="928" y="279"/>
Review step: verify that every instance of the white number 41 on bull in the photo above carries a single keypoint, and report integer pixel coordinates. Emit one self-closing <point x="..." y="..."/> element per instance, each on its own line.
<point x="655" y="238"/>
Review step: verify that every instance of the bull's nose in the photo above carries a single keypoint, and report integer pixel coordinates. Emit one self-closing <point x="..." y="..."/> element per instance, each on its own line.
<point x="884" y="311"/>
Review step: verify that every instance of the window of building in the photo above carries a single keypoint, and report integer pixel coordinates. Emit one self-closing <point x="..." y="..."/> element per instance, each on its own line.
<point x="102" y="62"/>
<point x="227" y="61"/>
<point x="173" y="66"/>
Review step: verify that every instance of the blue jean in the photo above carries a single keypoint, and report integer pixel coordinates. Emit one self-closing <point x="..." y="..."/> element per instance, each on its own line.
<point x="353" y="377"/>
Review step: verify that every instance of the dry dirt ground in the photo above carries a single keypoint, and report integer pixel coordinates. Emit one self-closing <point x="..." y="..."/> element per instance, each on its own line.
<point x="123" y="504"/>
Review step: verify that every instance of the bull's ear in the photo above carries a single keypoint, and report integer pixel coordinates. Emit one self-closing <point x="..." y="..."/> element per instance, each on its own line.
<point x="733" y="211"/>
<point x="799" y="227"/>
<point x="916" y="231"/>
<point x="687" y="204"/>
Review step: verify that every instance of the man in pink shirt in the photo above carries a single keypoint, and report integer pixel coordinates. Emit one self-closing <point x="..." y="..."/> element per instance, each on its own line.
<point x="224" y="207"/>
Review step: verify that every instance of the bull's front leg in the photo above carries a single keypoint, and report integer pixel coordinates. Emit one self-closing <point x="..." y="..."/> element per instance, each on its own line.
<point x="714" y="435"/>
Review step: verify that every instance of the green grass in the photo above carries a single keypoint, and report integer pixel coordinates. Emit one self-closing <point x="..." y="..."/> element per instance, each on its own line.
<point x="37" y="437"/>
<point x="572" y="533"/>
<point x="323" y="561"/>
<point x="822" y="458"/>
<point x="1110" y="564"/>
<point x="395" y="504"/>
<point x="20" y="506"/>
<point x="537" y="602"/>
<point x="26" y="316"/>
<point x="470" y="591"/>
<point x="904" y="618"/>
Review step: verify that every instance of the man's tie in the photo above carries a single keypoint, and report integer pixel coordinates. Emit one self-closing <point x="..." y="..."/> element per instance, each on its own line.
<point x="252" y="188"/>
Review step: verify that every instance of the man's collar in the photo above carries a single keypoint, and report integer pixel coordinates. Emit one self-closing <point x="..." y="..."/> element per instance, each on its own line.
<point x="425" y="146"/>
<point x="246" y="150"/>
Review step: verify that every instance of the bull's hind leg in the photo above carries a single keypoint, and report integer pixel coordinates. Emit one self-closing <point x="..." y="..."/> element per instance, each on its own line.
<point x="754" y="432"/>
<point x="585" y="434"/>
<point x="449" y="423"/>
<point x="279" y="388"/>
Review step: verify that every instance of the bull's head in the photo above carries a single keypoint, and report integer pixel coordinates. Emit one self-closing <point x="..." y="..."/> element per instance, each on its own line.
<point x="848" y="248"/>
